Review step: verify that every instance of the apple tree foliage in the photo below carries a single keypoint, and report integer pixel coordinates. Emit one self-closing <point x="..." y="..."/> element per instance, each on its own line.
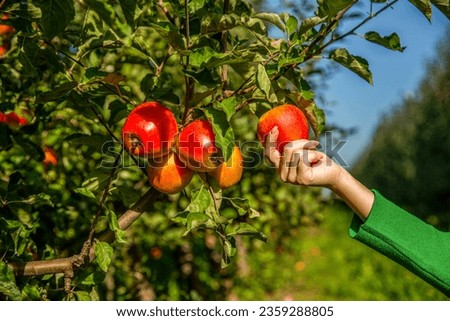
<point x="75" y="70"/>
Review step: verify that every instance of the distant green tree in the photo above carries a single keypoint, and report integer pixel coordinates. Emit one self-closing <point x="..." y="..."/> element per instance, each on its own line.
<point x="408" y="159"/>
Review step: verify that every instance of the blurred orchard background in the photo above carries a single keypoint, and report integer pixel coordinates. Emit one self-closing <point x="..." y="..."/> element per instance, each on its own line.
<point x="73" y="70"/>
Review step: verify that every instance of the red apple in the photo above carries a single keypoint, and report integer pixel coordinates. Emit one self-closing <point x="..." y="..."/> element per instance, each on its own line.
<point x="150" y="130"/>
<point x="291" y="122"/>
<point x="196" y="146"/>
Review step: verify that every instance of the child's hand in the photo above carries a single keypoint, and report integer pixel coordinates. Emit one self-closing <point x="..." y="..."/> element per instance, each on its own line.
<point x="301" y="163"/>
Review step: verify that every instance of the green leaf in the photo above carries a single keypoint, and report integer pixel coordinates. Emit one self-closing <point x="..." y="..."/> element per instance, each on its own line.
<point x="207" y="57"/>
<point x="103" y="253"/>
<point x="106" y="12"/>
<point x="195" y="5"/>
<point x="56" y="16"/>
<point x="29" y="147"/>
<point x="196" y="213"/>
<point x="8" y="283"/>
<point x="82" y="296"/>
<point x="86" y="192"/>
<point x="118" y="111"/>
<point x="243" y="206"/>
<point x="15" y="182"/>
<point x="315" y="115"/>
<point x="205" y="77"/>
<point x="114" y="226"/>
<point x="215" y="22"/>
<point x="202" y="56"/>
<point x="291" y="24"/>
<point x="198" y="220"/>
<point x="228" y="106"/>
<point x="309" y="23"/>
<point x="57" y="92"/>
<point x="443" y="6"/>
<point x="357" y="64"/>
<point x="128" y="9"/>
<point x="272" y="18"/>
<point x="39" y="199"/>
<point x="171" y="33"/>
<point x="223" y="131"/>
<point x="247" y="229"/>
<point x="97" y="179"/>
<point x="390" y="42"/>
<point x="200" y="201"/>
<point x="264" y="84"/>
<point x="31" y="293"/>
<point x="256" y="26"/>
<point x="93" y="140"/>
<point x="229" y="250"/>
<point x="424" y="6"/>
<point x="330" y="8"/>
<point x="18" y="232"/>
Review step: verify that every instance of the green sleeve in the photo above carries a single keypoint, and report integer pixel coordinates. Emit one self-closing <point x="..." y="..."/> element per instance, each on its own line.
<point x="404" y="238"/>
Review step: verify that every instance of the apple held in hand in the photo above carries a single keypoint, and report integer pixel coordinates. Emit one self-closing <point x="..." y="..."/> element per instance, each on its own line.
<point x="196" y="146"/>
<point x="291" y="122"/>
<point x="150" y="130"/>
<point x="230" y="172"/>
<point x="168" y="174"/>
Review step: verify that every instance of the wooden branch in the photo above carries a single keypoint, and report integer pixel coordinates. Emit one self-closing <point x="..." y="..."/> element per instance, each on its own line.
<point x="67" y="265"/>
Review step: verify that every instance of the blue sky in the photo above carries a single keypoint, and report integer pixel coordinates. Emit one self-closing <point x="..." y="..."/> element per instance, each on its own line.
<point x="354" y="103"/>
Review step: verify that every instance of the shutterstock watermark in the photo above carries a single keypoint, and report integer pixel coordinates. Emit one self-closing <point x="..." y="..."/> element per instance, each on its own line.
<point x="253" y="153"/>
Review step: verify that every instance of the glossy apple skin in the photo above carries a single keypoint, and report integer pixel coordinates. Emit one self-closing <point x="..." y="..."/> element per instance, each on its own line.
<point x="291" y="122"/>
<point x="169" y="174"/>
<point x="196" y="146"/>
<point x="230" y="172"/>
<point x="150" y="130"/>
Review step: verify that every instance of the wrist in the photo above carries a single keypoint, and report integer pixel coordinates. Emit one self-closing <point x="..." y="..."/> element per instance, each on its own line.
<point x="339" y="178"/>
<point x="357" y="196"/>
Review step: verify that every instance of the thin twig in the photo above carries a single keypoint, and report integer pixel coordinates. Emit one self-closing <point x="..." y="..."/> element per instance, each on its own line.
<point x="223" y="43"/>
<point x="64" y="54"/>
<point x="187" y="80"/>
<point x="327" y="29"/>
<point x="65" y="265"/>
<point x="118" y="94"/>
<point x="352" y="31"/>
<point x="81" y="258"/>
<point x="166" y="12"/>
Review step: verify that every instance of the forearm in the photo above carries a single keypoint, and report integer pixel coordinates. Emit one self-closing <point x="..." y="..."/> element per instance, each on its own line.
<point x="358" y="197"/>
